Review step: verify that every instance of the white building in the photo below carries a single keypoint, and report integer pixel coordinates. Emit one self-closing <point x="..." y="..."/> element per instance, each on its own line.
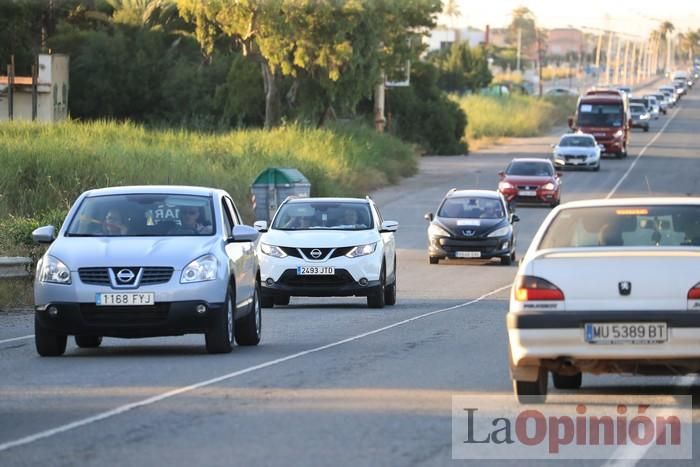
<point x="52" y="91"/>
<point x="443" y="38"/>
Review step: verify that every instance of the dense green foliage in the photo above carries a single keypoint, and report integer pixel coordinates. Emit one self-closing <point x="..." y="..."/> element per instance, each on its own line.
<point x="422" y="113"/>
<point x="45" y="167"/>
<point x="461" y="68"/>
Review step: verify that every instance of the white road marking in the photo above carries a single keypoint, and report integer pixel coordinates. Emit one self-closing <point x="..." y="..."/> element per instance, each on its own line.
<point x="641" y="153"/>
<point x="176" y="392"/>
<point x="3" y="341"/>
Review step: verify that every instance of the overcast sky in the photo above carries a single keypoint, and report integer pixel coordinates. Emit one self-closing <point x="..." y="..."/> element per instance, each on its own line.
<point x="629" y="16"/>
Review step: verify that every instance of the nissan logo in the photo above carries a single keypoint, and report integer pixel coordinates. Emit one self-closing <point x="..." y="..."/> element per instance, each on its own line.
<point x="625" y="287"/>
<point x="125" y="275"/>
<point x="316" y="253"/>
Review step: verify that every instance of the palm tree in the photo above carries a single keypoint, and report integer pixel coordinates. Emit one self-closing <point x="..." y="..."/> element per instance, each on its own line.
<point x="451" y="10"/>
<point x="665" y="30"/>
<point x="688" y="42"/>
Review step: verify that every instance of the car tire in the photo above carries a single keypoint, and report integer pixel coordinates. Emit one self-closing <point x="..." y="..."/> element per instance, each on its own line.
<point x="597" y="168"/>
<point x="513" y="256"/>
<point x="506" y="260"/>
<point x="434" y="260"/>
<point x="567" y="381"/>
<point x="267" y="300"/>
<point x="555" y="204"/>
<point x="376" y="298"/>
<point x="219" y="338"/>
<point x="249" y="328"/>
<point x="531" y="391"/>
<point x="48" y="344"/>
<point x="646" y="129"/>
<point x="281" y="300"/>
<point x="390" y="290"/>
<point x="88" y="342"/>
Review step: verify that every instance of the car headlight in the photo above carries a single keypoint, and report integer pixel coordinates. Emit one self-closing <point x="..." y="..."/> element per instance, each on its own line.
<point x="645" y="117"/>
<point x="505" y="186"/>
<point x="548" y="186"/>
<point x="200" y="270"/>
<point x="52" y="270"/>
<point x="436" y="231"/>
<point x="500" y="232"/>
<point x="272" y="250"/>
<point x="557" y="156"/>
<point x="619" y="134"/>
<point x="362" y="250"/>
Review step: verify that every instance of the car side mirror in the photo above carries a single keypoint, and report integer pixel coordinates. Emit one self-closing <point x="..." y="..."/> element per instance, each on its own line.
<point x="602" y="147"/>
<point x="501" y="174"/>
<point x="389" y="226"/>
<point x="552" y="145"/>
<point x="515" y="218"/>
<point x="243" y="233"/>
<point x="260" y="226"/>
<point x="559" y="174"/>
<point x="46" y="234"/>
<point x="428" y="217"/>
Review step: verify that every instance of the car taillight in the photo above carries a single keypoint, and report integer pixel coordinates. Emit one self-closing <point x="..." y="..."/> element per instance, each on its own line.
<point x="529" y="288"/>
<point x="694" y="293"/>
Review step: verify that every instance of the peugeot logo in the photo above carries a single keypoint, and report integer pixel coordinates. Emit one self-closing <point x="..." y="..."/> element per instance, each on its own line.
<point x="468" y="233"/>
<point x="625" y="287"/>
<point x="316" y="253"/>
<point x="125" y="275"/>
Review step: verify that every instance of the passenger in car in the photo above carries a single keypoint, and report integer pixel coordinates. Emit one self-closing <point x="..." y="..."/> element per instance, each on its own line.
<point x="191" y="220"/>
<point x="113" y="223"/>
<point x="610" y="235"/>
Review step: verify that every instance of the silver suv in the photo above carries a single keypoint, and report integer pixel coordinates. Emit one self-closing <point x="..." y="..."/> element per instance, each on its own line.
<point x="148" y="261"/>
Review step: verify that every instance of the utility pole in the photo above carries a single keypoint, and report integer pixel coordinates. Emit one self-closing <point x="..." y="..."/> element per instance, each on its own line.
<point x="379" y="119"/>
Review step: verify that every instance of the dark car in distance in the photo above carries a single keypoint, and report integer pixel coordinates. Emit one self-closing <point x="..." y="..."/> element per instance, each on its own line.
<point x="474" y="224"/>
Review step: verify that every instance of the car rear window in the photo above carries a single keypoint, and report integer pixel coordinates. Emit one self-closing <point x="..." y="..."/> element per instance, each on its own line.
<point x="624" y="226"/>
<point x="143" y="215"/>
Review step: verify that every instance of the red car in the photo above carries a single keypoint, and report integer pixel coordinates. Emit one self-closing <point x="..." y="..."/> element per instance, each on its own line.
<point x="530" y="181"/>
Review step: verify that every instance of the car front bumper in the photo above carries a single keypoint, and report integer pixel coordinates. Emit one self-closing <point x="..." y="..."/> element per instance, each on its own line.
<point x="161" y="319"/>
<point x="574" y="162"/>
<point x="448" y="247"/>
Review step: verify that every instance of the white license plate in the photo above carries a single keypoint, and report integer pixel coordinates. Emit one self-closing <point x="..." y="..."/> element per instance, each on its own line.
<point x="527" y="193"/>
<point x="315" y="271"/>
<point x="125" y="299"/>
<point x="468" y="254"/>
<point x="625" y="333"/>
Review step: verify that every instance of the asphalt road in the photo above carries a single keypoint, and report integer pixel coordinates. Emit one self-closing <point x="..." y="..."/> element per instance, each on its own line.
<point x="332" y="382"/>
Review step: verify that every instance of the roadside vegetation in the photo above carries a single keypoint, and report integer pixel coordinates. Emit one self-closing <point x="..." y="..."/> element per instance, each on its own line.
<point x="45" y="167"/>
<point x="493" y="117"/>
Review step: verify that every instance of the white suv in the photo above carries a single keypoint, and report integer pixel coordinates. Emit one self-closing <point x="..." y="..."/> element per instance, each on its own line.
<point x="328" y="247"/>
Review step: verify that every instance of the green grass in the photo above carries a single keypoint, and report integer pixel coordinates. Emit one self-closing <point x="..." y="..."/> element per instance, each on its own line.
<point x="45" y="167"/>
<point x="496" y="116"/>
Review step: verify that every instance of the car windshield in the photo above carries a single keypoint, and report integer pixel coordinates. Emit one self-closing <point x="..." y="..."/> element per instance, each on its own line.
<point x="323" y="215"/>
<point x="636" y="226"/>
<point x="530" y="169"/>
<point x="601" y="115"/>
<point x="577" y="141"/>
<point x="143" y="215"/>
<point x="471" y="208"/>
<point x="637" y="109"/>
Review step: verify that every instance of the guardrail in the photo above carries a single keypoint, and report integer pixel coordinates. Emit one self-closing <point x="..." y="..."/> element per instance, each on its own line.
<point x="14" y="267"/>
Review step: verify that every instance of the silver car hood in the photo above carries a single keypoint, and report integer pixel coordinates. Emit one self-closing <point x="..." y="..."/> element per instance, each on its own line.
<point x="575" y="150"/>
<point x="176" y="252"/>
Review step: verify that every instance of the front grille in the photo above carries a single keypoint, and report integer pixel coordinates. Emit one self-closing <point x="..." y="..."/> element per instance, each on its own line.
<point x="324" y="253"/>
<point x="452" y="245"/>
<point x="93" y="314"/>
<point x="528" y="187"/>
<point x="95" y="276"/>
<point x="294" y="252"/>
<point x="575" y="158"/>
<point x="340" y="278"/>
<point x="156" y="276"/>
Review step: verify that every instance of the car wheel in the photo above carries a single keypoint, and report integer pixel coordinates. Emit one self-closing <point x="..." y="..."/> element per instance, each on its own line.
<point x="281" y="299"/>
<point x="507" y="260"/>
<point x="390" y="291"/>
<point x="267" y="300"/>
<point x="434" y="260"/>
<point x="219" y="339"/>
<point x="376" y="298"/>
<point x="555" y="204"/>
<point x="597" y="168"/>
<point x="48" y="344"/>
<point x="512" y="256"/>
<point x="531" y="391"/>
<point x="646" y="129"/>
<point x="567" y="381"/>
<point x="249" y="328"/>
<point x="88" y="342"/>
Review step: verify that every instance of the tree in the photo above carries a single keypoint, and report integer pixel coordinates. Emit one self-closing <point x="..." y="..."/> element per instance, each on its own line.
<point x="462" y="68"/>
<point x="523" y="20"/>
<point x="451" y="10"/>
<point x="318" y="38"/>
<point x="665" y="30"/>
<point x="689" y="42"/>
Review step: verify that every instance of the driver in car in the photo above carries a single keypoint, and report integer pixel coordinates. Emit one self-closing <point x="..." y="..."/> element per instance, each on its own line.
<point x="191" y="221"/>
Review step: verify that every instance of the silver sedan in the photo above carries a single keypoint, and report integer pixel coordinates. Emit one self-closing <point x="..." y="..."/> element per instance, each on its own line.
<point x="148" y="261"/>
<point x="577" y="150"/>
